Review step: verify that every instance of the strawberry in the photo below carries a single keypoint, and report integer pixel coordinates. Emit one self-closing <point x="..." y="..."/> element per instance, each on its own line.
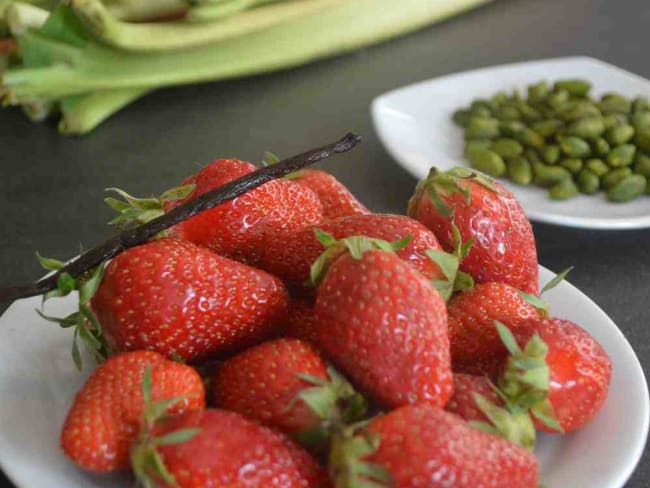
<point x="237" y="229"/>
<point x="105" y="416"/>
<point x="471" y="315"/>
<point x="463" y="401"/>
<point x="180" y="299"/>
<point x="301" y="322"/>
<point x="286" y="384"/>
<point x="563" y="372"/>
<point x="222" y="449"/>
<point x="290" y="255"/>
<point x="422" y="445"/>
<point x="479" y="401"/>
<point x="486" y="213"/>
<point x="336" y="198"/>
<point x="385" y="326"/>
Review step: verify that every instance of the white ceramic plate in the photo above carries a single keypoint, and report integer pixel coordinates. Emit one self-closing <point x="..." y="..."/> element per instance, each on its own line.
<point x="414" y="124"/>
<point x="38" y="382"/>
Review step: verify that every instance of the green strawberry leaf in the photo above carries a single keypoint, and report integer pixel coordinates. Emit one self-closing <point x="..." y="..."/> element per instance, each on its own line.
<point x="556" y="280"/>
<point x="535" y="301"/>
<point x="50" y="264"/>
<point x="507" y="338"/>
<point x="178" y="193"/>
<point x="176" y="437"/>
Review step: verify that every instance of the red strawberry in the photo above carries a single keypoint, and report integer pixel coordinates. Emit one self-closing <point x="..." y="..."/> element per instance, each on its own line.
<point x="226" y="450"/>
<point x="385" y="326"/>
<point x="285" y="384"/>
<point x="422" y="445"/>
<point x="301" y="322"/>
<point x="105" y="416"/>
<point x="577" y="376"/>
<point x="336" y="198"/>
<point x="463" y="401"/>
<point x="489" y="367"/>
<point x="471" y="315"/>
<point x="484" y="211"/>
<point x="180" y="299"/>
<point x="290" y="255"/>
<point x="237" y="229"/>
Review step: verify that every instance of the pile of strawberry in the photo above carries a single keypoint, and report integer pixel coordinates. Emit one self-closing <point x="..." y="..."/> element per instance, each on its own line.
<point x="334" y="347"/>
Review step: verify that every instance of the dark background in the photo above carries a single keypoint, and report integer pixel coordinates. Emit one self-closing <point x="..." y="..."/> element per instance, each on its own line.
<point x="51" y="187"/>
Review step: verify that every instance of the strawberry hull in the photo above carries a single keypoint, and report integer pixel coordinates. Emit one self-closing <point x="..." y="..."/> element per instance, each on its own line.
<point x="183" y="300"/>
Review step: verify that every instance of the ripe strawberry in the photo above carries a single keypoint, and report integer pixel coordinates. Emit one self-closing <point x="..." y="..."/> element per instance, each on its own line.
<point x="290" y="255"/>
<point x="577" y="377"/>
<point x="484" y="211"/>
<point x="105" y="416"/>
<point x="285" y="384"/>
<point x="422" y="445"/>
<point x="463" y="401"/>
<point x="224" y="449"/>
<point x="336" y="198"/>
<point x="301" y="322"/>
<point x="180" y="299"/>
<point x="471" y="315"/>
<point x="385" y="326"/>
<point x="237" y="229"/>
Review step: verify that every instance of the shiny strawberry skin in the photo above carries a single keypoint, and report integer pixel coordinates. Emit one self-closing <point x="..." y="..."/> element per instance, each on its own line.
<point x="106" y="414"/>
<point x="336" y="198"/>
<point x="504" y="245"/>
<point x="462" y="402"/>
<point x="472" y="313"/>
<point x="580" y="370"/>
<point x="385" y="326"/>
<point x="231" y="451"/>
<point x="180" y="299"/>
<point x="290" y="255"/>
<point x="422" y="445"/>
<point x="301" y="321"/>
<point x="262" y="383"/>
<point x="238" y="229"/>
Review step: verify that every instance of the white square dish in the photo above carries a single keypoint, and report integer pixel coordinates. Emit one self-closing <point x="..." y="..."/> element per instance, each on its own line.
<point x="414" y="124"/>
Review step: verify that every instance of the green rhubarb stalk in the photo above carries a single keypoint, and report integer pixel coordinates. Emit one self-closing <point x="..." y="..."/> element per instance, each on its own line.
<point x="81" y="65"/>
<point x="163" y="36"/>
<point x="81" y="114"/>
<point x="207" y="11"/>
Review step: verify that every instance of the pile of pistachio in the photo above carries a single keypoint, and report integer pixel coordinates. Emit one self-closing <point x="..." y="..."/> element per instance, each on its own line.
<point x="560" y="138"/>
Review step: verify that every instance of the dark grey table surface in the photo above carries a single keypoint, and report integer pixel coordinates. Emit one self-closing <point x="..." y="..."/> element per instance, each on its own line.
<point x="51" y="187"/>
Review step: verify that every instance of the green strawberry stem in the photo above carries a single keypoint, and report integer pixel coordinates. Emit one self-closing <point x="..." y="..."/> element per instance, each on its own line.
<point x="346" y="463"/>
<point x="85" y="323"/>
<point x="536" y="300"/>
<point x="146" y="462"/>
<point x="92" y="258"/>
<point x="449" y="264"/>
<point x="525" y="384"/>
<point x="355" y="245"/>
<point x="336" y="403"/>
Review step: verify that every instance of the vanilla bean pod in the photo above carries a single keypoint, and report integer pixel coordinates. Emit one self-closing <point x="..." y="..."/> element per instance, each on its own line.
<point x="139" y="235"/>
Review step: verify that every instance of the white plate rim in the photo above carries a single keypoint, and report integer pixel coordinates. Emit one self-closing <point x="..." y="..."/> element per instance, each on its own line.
<point x="628" y="223"/>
